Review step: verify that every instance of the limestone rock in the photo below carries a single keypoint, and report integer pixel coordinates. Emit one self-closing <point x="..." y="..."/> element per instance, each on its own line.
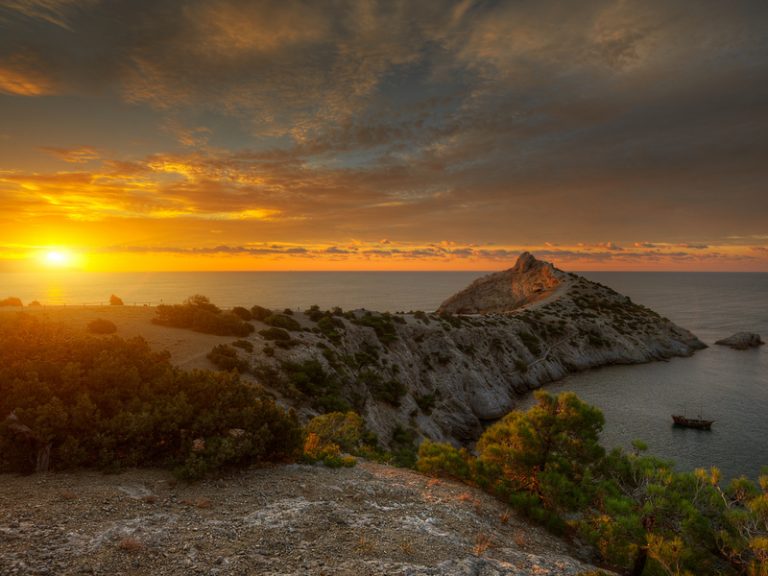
<point x="742" y="341"/>
<point x="528" y="281"/>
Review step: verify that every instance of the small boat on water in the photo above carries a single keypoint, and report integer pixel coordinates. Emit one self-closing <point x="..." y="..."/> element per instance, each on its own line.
<point x="697" y="423"/>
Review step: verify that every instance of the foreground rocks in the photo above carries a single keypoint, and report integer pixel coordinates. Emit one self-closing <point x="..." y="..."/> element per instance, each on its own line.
<point x="742" y="341"/>
<point x="284" y="520"/>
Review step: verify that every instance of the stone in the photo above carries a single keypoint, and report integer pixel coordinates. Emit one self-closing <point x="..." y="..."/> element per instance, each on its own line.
<point x="742" y="341"/>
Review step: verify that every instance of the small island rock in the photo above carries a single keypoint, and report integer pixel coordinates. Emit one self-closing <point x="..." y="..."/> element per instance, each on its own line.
<point x="742" y="341"/>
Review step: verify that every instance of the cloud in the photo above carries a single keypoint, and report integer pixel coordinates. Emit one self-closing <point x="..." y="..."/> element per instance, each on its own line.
<point x="20" y="75"/>
<point x="56" y="12"/>
<point x="79" y="155"/>
<point x="496" y="123"/>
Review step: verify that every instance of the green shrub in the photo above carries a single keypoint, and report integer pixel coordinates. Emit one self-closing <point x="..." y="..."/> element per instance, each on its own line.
<point x="382" y="325"/>
<point x="282" y="321"/>
<point x="385" y="390"/>
<point x="426" y="402"/>
<point x="101" y="326"/>
<point x="198" y="314"/>
<point x="332" y="327"/>
<point x="322" y="389"/>
<point x="260" y="313"/>
<point x="531" y="342"/>
<point x="275" y="334"/>
<point x="242" y="313"/>
<point x="440" y="459"/>
<point x="345" y="429"/>
<point x="403" y="445"/>
<point x="78" y="401"/>
<point x="243" y="345"/>
<point x="225" y="357"/>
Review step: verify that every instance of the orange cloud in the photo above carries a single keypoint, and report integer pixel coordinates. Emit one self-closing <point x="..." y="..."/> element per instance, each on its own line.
<point x="79" y="155"/>
<point x="20" y="77"/>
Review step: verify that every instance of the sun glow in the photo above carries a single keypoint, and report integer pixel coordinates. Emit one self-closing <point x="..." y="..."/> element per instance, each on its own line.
<point x="58" y="258"/>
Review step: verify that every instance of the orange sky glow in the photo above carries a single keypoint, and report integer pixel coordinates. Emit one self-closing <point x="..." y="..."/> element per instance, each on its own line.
<point x="448" y="135"/>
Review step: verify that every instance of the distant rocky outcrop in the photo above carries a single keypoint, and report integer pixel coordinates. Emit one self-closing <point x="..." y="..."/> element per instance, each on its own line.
<point x="529" y="281"/>
<point x="445" y="375"/>
<point x="742" y="341"/>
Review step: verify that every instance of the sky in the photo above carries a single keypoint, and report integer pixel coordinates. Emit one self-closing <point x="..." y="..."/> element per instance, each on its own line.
<point x="364" y="135"/>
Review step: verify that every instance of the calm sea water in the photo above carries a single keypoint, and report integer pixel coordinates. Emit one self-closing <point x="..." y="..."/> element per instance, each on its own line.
<point x="727" y="385"/>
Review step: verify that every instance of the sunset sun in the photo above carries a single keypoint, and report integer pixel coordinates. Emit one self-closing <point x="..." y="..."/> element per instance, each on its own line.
<point x="58" y="258"/>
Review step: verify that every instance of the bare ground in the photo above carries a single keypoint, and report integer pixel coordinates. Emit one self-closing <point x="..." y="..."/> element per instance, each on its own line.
<point x="293" y="519"/>
<point x="188" y="349"/>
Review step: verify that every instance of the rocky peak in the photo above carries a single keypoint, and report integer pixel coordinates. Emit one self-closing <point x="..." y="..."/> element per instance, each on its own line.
<point x="528" y="281"/>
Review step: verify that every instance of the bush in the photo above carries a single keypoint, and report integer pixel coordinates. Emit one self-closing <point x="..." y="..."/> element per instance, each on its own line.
<point x="531" y="342"/>
<point x="198" y="314"/>
<point x="260" y="313"/>
<point x="226" y="358"/>
<point x="344" y="429"/>
<point x="331" y="327"/>
<point x="321" y="389"/>
<point x="11" y="301"/>
<point x="242" y="313"/>
<point x="78" y="401"/>
<point x="389" y="391"/>
<point x="275" y="334"/>
<point x="115" y="301"/>
<point x="101" y="326"/>
<point x="282" y="321"/>
<point x="243" y="345"/>
<point x="440" y="459"/>
<point x="382" y="325"/>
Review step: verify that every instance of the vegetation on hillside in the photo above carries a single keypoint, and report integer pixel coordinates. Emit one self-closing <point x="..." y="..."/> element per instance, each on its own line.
<point x="199" y="314"/>
<point x="79" y="401"/>
<point x="641" y="515"/>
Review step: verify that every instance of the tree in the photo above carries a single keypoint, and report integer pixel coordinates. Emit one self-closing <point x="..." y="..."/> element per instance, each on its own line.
<point x="548" y="451"/>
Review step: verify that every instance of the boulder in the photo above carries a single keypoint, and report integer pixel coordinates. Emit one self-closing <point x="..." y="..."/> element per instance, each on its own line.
<point x="742" y="341"/>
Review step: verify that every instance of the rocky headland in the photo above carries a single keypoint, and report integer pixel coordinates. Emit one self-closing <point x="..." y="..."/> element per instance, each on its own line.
<point x="447" y="374"/>
<point x="742" y="341"/>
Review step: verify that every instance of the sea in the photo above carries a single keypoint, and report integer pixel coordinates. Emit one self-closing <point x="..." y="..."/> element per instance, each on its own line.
<point x="719" y="383"/>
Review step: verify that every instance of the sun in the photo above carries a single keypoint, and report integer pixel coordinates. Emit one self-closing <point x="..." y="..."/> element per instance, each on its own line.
<point x="58" y="258"/>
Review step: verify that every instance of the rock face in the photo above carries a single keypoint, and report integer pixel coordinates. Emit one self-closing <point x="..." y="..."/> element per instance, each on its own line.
<point x="446" y="376"/>
<point x="529" y="281"/>
<point x="742" y="341"/>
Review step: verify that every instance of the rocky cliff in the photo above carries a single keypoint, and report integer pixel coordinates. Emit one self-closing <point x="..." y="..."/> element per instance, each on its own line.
<point x="445" y="375"/>
<point x="527" y="282"/>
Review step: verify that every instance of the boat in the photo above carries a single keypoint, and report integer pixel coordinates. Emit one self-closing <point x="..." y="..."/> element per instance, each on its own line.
<point x="698" y="423"/>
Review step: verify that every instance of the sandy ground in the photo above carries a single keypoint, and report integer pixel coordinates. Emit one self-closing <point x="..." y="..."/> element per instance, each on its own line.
<point x="188" y="349"/>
